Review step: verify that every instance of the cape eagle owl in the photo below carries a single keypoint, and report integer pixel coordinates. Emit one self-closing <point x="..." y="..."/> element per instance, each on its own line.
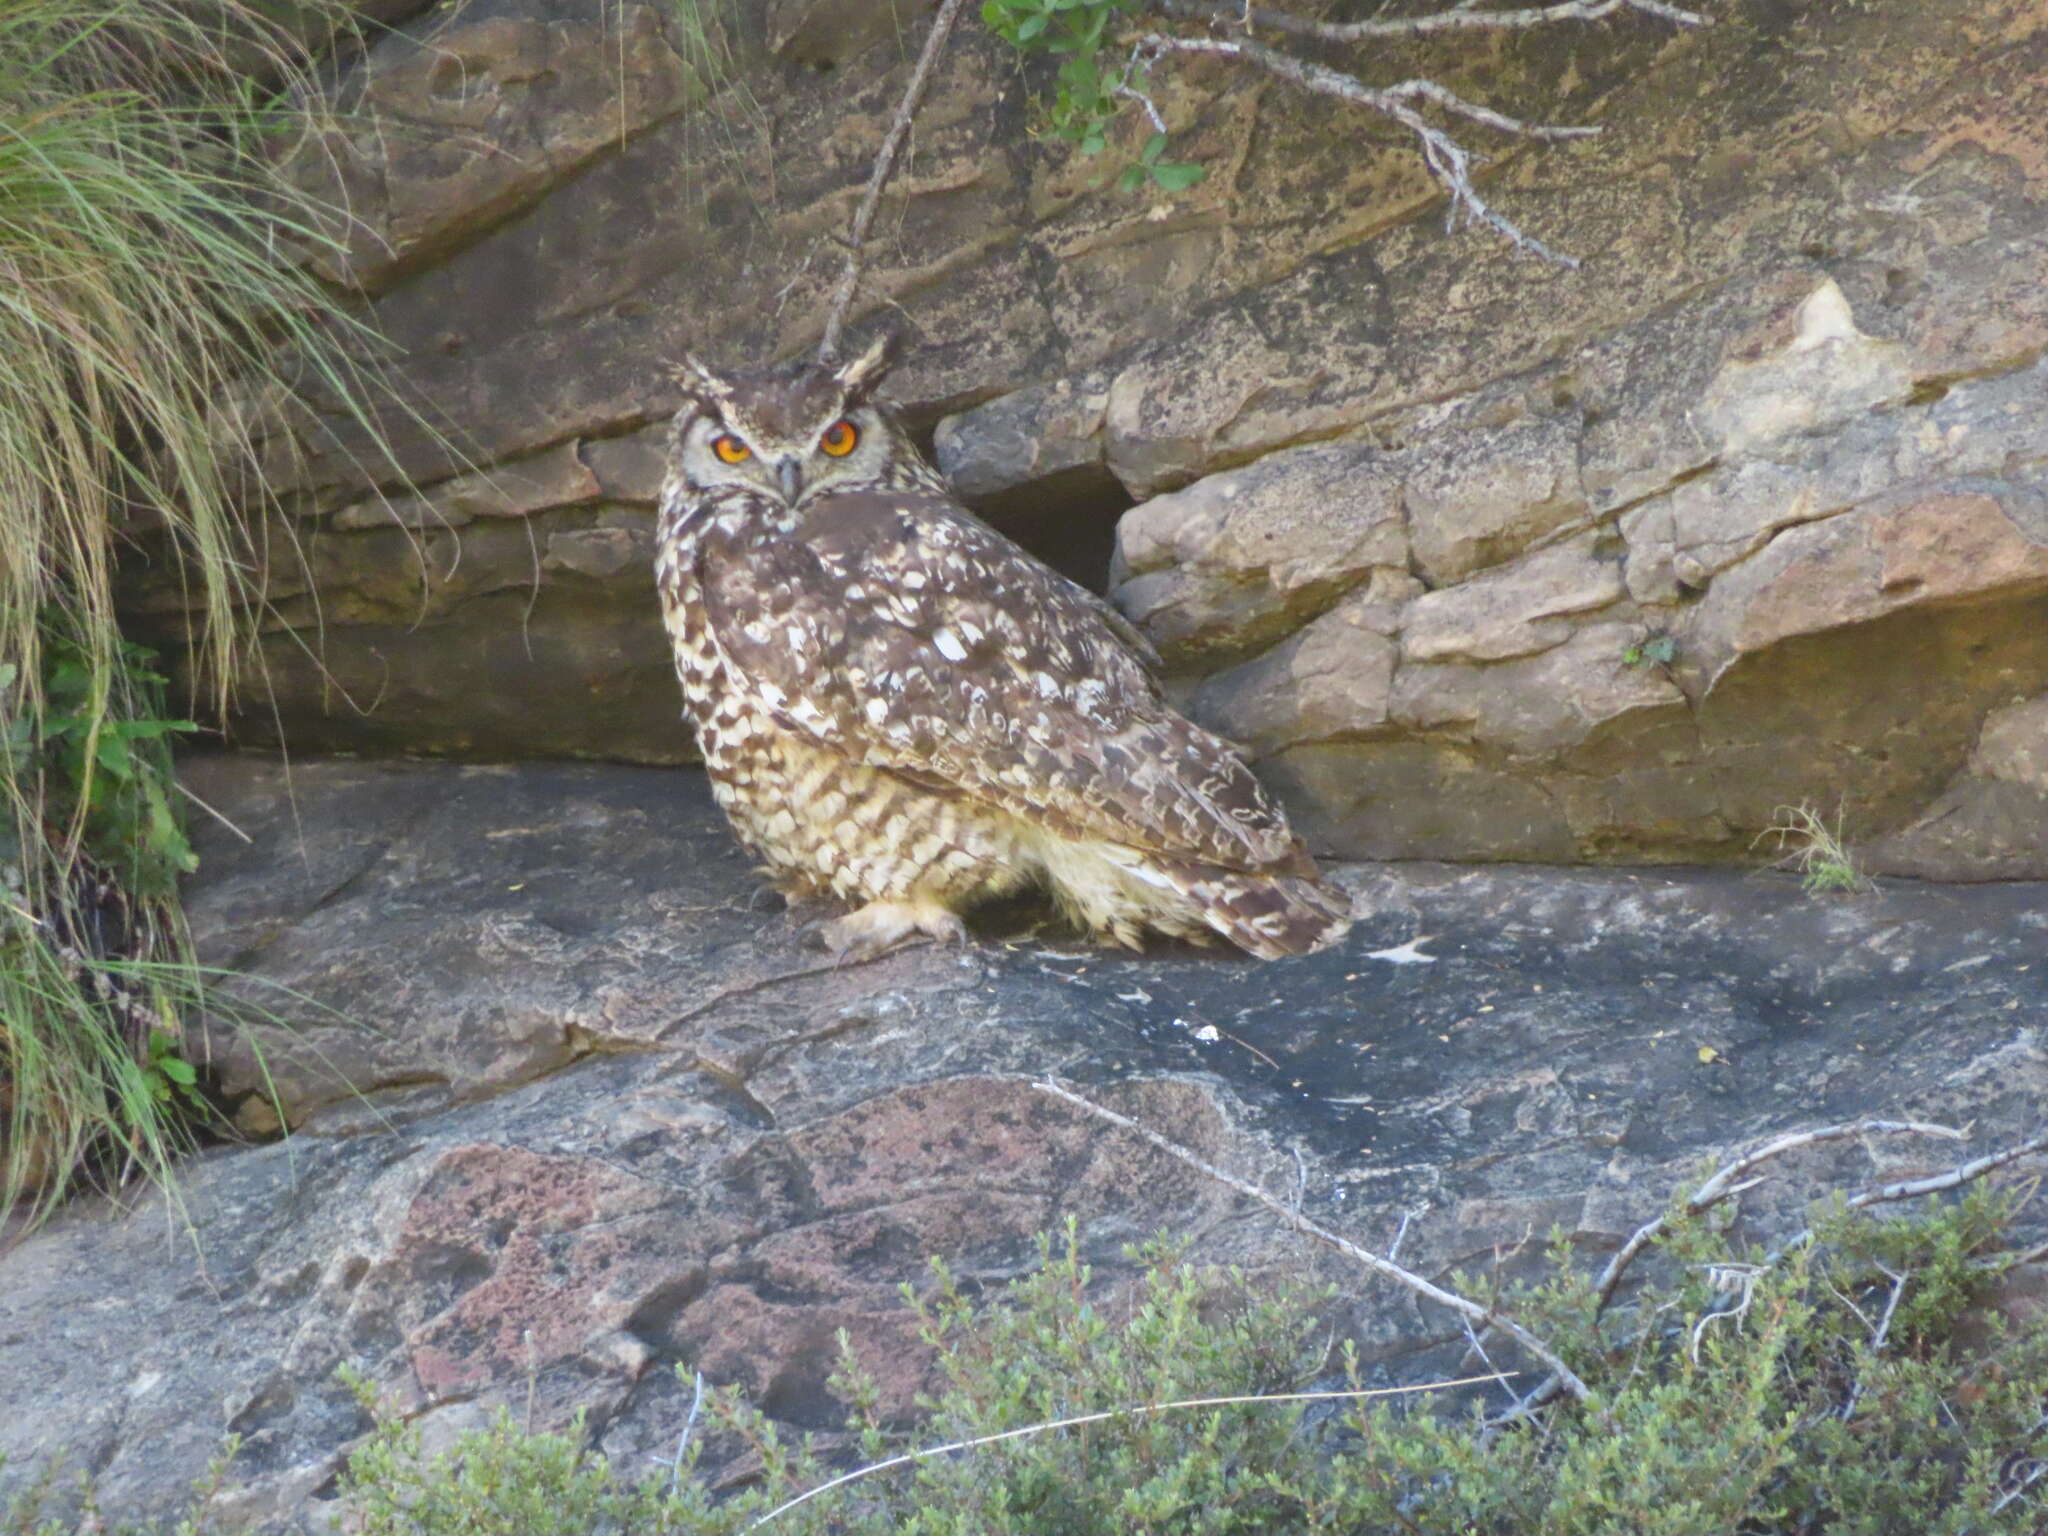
<point x="901" y="709"/>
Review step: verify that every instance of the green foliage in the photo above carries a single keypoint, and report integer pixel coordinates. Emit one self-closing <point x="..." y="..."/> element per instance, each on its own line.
<point x="1768" y="1395"/>
<point x="151" y="326"/>
<point x="1857" y="1385"/>
<point x="1809" y="846"/>
<point x="1659" y="650"/>
<point x="502" y="1482"/>
<point x="1091" y="89"/>
<point x="109" y="775"/>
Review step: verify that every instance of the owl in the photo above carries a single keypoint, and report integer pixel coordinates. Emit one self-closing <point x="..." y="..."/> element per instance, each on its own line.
<point x="902" y="710"/>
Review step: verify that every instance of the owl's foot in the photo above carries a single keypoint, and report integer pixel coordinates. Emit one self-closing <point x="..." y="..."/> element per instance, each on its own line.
<point x="880" y="926"/>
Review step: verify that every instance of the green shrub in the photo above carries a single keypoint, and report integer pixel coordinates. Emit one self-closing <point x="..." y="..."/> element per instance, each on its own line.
<point x="1859" y="1385"/>
<point x="150" y="314"/>
<point x="1741" y="1393"/>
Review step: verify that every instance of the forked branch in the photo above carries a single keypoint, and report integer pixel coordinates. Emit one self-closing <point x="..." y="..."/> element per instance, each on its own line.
<point x="1448" y="161"/>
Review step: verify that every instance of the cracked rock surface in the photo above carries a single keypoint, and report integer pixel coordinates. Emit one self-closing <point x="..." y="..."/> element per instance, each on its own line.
<point x="572" y="1109"/>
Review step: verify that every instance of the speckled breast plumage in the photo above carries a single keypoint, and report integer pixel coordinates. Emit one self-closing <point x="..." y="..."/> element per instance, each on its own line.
<point x="819" y="823"/>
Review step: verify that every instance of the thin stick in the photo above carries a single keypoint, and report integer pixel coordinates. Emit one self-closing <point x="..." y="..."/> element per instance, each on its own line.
<point x="1351" y="1250"/>
<point x="1722" y="1185"/>
<point x="1448" y="160"/>
<point x="885" y="163"/>
<point x="1933" y="1184"/>
<point x="1460" y="18"/>
<point x="1138" y="1411"/>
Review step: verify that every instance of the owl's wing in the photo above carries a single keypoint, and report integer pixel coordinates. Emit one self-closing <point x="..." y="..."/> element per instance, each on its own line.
<point x="916" y="639"/>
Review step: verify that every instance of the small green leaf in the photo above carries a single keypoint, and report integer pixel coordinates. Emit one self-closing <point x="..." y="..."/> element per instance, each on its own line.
<point x="113" y="755"/>
<point x="1093" y="143"/>
<point x="1132" y="178"/>
<point x="1154" y="147"/>
<point x="1030" y="27"/>
<point x="178" y="1070"/>
<point x="1177" y="178"/>
<point x="8" y="671"/>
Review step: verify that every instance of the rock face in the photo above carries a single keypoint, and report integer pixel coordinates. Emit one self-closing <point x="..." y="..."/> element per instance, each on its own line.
<point x="1484" y="558"/>
<point x="602" y="1116"/>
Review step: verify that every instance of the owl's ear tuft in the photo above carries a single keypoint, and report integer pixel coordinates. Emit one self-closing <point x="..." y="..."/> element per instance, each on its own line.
<point x="860" y="374"/>
<point x="702" y="382"/>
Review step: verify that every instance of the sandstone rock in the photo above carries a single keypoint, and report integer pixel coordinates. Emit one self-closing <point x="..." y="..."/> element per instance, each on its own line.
<point x="1824" y="373"/>
<point x="557" y="478"/>
<point x="449" y="127"/>
<point x="2014" y="744"/>
<point x="732" y="1152"/>
<point x="1239" y="558"/>
<point x="629" y="467"/>
<point x="1514" y="610"/>
<point x="1988" y="819"/>
<point x="1777" y="327"/>
<point x="1022" y="438"/>
<point x="1535" y="704"/>
<point x="1334" y="678"/>
<point x="1918" y="548"/>
<point x="1475" y="498"/>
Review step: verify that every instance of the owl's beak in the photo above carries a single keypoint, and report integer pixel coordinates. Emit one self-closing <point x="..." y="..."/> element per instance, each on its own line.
<point x="789" y="474"/>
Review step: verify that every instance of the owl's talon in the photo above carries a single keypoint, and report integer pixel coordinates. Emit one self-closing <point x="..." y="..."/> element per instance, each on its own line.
<point x="881" y="926"/>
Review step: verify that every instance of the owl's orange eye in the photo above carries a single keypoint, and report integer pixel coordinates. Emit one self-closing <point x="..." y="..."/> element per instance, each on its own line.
<point x="731" y="450"/>
<point x="839" y="438"/>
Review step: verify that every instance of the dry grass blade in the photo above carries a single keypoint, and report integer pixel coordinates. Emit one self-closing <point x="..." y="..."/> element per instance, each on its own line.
<point x="1815" y="851"/>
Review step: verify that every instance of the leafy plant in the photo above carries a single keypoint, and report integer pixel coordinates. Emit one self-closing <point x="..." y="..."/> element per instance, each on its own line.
<point x="1658" y="650"/>
<point x="1090" y="93"/>
<point x="1857" y="1383"/>
<point x="151" y="324"/>
<point x="1861" y="1380"/>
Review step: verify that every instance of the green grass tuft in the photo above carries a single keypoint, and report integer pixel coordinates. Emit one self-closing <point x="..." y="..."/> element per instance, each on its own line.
<point x="152" y="319"/>
<point x="1816" y="852"/>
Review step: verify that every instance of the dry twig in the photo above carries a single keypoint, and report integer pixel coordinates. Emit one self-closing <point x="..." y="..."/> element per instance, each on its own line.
<point x="1464" y="1307"/>
<point x="885" y="163"/>
<point x="1448" y="160"/>
<point x="1459" y="18"/>
<point x="1723" y="1184"/>
<point x="1729" y="1181"/>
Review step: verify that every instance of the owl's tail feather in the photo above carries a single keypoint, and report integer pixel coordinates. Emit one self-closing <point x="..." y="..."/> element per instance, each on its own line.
<point x="1271" y="916"/>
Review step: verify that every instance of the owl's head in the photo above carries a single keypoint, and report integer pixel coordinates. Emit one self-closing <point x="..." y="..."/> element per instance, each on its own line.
<point x="791" y="432"/>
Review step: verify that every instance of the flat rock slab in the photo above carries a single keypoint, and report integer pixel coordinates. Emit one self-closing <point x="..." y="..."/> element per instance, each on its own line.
<point x="574" y="1106"/>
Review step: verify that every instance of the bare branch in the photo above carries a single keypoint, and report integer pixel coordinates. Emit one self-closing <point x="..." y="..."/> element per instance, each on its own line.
<point x="1728" y="1182"/>
<point x="1471" y="1310"/>
<point x="885" y="163"/>
<point x="1462" y="18"/>
<point x="1723" y="1184"/>
<point x="1877" y="1336"/>
<point x="1448" y="161"/>
<point x="1933" y="1184"/>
